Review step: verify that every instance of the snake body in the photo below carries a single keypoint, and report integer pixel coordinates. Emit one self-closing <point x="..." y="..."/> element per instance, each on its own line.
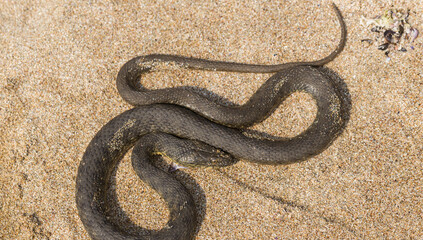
<point x="212" y="127"/>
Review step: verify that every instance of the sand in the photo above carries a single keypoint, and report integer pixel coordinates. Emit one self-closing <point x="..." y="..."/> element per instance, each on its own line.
<point x="59" y="61"/>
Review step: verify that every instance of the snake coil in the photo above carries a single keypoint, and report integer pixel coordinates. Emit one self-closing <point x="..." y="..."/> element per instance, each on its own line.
<point x="191" y="121"/>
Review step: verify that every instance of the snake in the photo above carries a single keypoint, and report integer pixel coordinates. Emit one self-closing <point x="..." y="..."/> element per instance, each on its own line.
<point x="190" y="128"/>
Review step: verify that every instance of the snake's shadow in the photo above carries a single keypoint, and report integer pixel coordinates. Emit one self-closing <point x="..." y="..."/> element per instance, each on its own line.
<point x="117" y="216"/>
<point x="346" y="105"/>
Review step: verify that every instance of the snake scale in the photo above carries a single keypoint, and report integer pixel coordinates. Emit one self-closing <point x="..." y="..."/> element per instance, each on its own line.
<point x="194" y="130"/>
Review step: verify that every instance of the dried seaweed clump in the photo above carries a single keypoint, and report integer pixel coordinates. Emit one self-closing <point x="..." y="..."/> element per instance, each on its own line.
<point x="392" y="30"/>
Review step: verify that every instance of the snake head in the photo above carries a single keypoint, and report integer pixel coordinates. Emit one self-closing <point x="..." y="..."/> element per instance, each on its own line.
<point x="189" y="153"/>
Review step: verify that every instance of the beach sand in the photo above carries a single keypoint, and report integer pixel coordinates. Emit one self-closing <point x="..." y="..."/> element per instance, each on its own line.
<point x="59" y="61"/>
